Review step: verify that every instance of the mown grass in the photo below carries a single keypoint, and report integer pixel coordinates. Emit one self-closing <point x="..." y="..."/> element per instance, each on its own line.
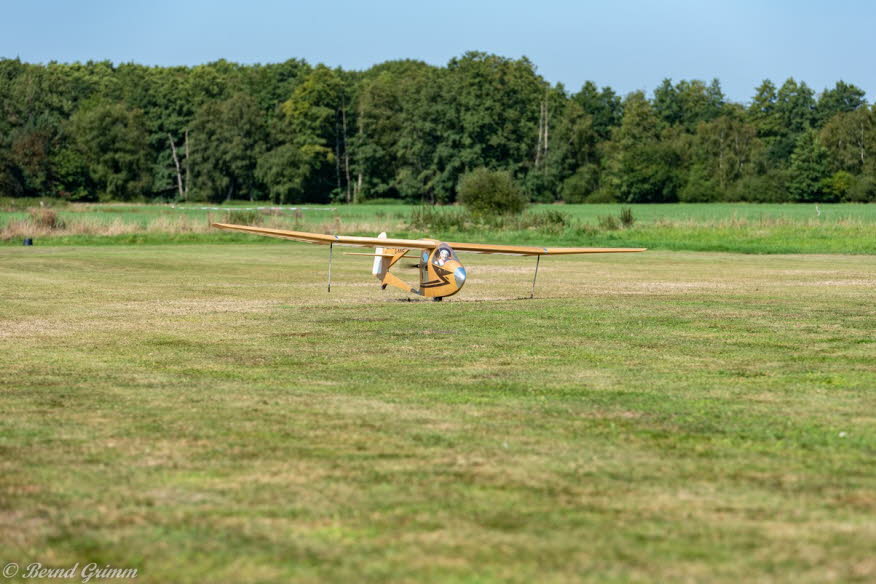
<point x="743" y="228"/>
<point x="209" y="413"/>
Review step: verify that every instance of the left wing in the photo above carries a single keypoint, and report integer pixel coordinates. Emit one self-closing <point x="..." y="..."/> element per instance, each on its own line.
<point x="333" y="239"/>
<point x="320" y="238"/>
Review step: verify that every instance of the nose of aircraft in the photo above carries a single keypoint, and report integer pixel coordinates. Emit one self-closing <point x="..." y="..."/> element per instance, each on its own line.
<point x="459" y="275"/>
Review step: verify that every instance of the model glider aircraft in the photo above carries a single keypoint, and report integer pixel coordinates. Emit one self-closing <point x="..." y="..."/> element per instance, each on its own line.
<point x="441" y="272"/>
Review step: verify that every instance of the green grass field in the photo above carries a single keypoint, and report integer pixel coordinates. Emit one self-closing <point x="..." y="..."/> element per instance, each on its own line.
<point x="743" y="228"/>
<point x="208" y="413"/>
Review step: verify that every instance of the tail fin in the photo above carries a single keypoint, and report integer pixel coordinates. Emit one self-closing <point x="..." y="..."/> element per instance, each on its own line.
<point x="381" y="265"/>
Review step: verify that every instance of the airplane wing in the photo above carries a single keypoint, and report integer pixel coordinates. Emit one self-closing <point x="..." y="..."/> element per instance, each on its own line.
<point x="323" y="239"/>
<point x="333" y="239"/>
<point x="535" y="250"/>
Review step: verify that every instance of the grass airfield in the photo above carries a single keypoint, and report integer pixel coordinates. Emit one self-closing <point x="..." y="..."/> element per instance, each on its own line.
<point x="210" y="413"/>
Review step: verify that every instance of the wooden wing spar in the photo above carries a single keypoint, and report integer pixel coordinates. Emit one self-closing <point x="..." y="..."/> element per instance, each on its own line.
<point x="441" y="272"/>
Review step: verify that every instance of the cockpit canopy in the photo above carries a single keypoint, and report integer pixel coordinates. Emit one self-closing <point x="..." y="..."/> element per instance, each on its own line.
<point x="443" y="254"/>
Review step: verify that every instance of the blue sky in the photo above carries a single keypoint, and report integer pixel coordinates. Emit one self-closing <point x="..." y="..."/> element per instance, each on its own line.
<point x="628" y="45"/>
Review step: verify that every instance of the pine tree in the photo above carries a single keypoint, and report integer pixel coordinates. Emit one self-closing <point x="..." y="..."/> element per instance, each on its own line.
<point x="809" y="169"/>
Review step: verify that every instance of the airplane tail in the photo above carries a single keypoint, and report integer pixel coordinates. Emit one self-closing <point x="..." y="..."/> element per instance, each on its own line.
<point x="381" y="264"/>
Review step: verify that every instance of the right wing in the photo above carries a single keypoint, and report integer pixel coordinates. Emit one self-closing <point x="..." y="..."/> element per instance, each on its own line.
<point x="530" y="250"/>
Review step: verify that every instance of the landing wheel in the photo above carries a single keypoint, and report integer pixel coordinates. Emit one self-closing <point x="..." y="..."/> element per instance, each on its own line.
<point x="438" y="299"/>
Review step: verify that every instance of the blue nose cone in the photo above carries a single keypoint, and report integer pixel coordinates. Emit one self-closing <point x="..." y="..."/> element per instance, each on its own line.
<point x="459" y="276"/>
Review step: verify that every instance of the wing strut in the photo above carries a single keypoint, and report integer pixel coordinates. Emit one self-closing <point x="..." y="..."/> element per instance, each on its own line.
<point x="532" y="292"/>
<point x="331" y="247"/>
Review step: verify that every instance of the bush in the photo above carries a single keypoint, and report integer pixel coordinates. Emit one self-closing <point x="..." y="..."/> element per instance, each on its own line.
<point x="862" y="190"/>
<point x="837" y="186"/>
<point x="491" y="192"/>
<point x="539" y="188"/>
<point x="761" y="188"/>
<point x="244" y="217"/>
<point x="550" y="221"/>
<point x="609" y="223"/>
<point x="445" y="219"/>
<point x="650" y="174"/>
<point x="581" y="185"/>
<point x="624" y="219"/>
<point x="381" y="201"/>
<point x="699" y="188"/>
<point x="46" y="218"/>
<point x="437" y="218"/>
<point x="601" y="197"/>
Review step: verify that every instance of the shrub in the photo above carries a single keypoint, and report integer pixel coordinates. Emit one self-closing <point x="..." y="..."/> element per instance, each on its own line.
<point x="609" y="223"/>
<point x="649" y="173"/>
<point x="491" y="192"/>
<point x="381" y="201"/>
<point x="46" y="218"/>
<point x="438" y="218"/>
<point x="581" y="185"/>
<point x="540" y="188"/>
<point x="456" y="219"/>
<point x="837" y="186"/>
<point x="624" y="218"/>
<point x="761" y="188"/>
<point x="601" y="197"/>
<point x="699" y="188"/>
<point x="550" y="221"/>
<point x="862" y="190"/>
<point x="551" y="217"/>
<point x="244" y="217"/>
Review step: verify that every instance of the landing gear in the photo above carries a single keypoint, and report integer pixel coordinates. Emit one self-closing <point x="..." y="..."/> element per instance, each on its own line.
<point x="331" y="249"/>
<point x="438" y="299"/>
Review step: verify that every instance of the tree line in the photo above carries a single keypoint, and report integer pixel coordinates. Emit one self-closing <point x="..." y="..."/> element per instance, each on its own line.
<point x="292" y="133"/>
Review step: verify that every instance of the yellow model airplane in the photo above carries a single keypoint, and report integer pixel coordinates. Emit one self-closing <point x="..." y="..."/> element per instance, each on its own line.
<point x="441" y="272"/>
